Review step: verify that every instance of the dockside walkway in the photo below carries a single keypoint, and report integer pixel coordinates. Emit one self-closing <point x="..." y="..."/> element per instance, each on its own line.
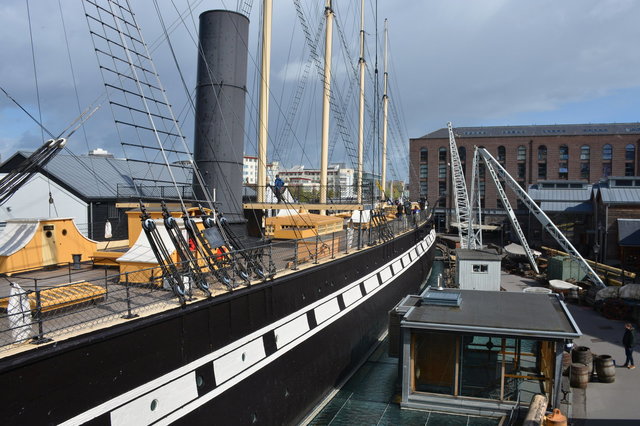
<point x="600" y="404"/>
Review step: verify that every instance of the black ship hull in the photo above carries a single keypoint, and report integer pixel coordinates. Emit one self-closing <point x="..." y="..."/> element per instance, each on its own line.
<point x="265" y="354"/>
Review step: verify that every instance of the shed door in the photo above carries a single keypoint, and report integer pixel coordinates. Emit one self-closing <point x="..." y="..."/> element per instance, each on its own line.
<point x="49" y="252"/>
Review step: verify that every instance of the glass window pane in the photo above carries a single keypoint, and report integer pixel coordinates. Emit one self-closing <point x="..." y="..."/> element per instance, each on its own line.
<point x="630" y="152"/>
<point x="424" y="155"/>
<point x="542" y="153"/>
<point x="481" y="367"/>
<point x="607" y="152"/>
<point x="522" y="153"/>
<point x="585" y="152"/>
<point x="434" y="356"/>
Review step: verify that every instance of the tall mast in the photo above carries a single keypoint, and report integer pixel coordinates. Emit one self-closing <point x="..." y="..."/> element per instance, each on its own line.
<point x="324" y="151"/>
<point x="264" y="99"/>
<point x="385" y="106"/>
<point x="361" y="63"/>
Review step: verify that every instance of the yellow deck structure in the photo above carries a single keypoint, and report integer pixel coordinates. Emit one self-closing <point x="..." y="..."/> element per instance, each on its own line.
<point x="301" y="225"/>
<point x="35" y="243"/>
<point x="63" y="296"/>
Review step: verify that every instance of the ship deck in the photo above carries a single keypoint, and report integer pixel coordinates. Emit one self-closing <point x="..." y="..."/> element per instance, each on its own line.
<point x="76" y="301"/>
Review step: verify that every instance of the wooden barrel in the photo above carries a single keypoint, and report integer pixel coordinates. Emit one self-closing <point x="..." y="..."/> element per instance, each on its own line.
<point x="605" y="369"/>
<point x="566" y="363"/>
<point x="579" y="376"/>
<point x="582" y="355"/>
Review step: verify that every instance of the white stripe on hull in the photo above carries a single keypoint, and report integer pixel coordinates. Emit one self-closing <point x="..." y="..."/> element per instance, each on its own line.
<point x="229" y="365"/>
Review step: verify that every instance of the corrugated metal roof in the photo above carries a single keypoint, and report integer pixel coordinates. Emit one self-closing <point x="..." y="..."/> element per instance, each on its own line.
<point x="620" y="195"/>
<point x="99" y="177"/>
<point x="629" y="232"/>
<point x="538" y="130"/>
<point x="566" y="206"/>
<point x="560" y="194"/>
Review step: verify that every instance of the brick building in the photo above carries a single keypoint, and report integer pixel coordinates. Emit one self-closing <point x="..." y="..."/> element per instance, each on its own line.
<point x="572" y="152"/>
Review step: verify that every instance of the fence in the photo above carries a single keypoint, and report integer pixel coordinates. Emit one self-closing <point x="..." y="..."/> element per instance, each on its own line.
<point x="39" y="308"/>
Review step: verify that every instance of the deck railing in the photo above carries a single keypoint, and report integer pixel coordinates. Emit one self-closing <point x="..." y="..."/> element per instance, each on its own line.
<point x="77" y="296"/>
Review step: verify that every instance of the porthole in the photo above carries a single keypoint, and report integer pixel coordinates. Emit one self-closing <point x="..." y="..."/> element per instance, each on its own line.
<point x="48" y="234"/>
<point x="154" y="405"/>
<point x="254" y="418"/>
<point x="64" y="232"/>
<point x="244" y="356"/>
<point x="199" y="381"/>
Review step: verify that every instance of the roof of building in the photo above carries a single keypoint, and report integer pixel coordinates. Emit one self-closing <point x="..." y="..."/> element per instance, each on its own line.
<point x="629" y="232"/>
<point x="497" y="312"/>
<point x="96" y="176"/>
<point x="567" y="206"/>
<point x="468" y="254"/>
<point x="620" y="195"/>
<point x="538" y="130"/>
<point x="539" y="193"/>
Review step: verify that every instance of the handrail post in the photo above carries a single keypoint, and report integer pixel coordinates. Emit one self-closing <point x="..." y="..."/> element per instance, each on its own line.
<point x="106" y="284"/>
<point x="126" y="286"/>
<point x="333" y="241"/>
<point x="295" y="255"/>
<point x="317" y="238"/>
<point x="39" y="339"/>
<point x="360" y="232"/>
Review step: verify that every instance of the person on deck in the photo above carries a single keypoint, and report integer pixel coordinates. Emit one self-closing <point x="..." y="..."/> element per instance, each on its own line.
<point x="278" y="188"/>
<point x="629" y="341"/>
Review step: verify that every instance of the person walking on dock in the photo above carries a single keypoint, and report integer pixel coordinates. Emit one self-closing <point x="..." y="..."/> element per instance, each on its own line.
<point x="629" y="341"/>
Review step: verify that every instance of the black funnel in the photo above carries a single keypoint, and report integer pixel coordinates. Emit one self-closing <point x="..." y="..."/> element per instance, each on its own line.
<point x="220" y="107"/>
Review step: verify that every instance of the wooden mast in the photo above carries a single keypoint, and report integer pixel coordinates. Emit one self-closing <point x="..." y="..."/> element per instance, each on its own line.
<point x="385" y="107"/>
<point x="263" y="123"/>
<point x="361" y="64"/>
<point x="324" y="151"/>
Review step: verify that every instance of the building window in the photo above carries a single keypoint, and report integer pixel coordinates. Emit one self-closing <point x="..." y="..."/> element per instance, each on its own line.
<point x="584" y="171"/>
<point x="499" y="204"/>
<point x="542" y="170"/>
<point x="424" y="155"/>
<point x="606" y="169"/>
<point x="542" y="153"/>
<point x="585" y="153"/>
<point x="462" y="153"/>
<point x="564" y="152"/>
<point x="522" y="153"/>
<point x="424" y="171"/>
<point x="442" y="154"/>
<point x="424" y="188"/>
<point x="442" y="192"/>
<point x="442" y="171"/>
<point x="563" y="170"/>
<point x="607" y="152"/>
<point x="481" y="269"/>
<point x="502" y="154"/>
<point x="521" y="170"/>
<point x="630" y="152"/>
<point x="112" y="211"/>
<point x="629" y="170"/>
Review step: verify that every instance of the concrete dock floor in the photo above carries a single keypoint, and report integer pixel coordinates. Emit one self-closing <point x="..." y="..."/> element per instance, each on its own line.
<point x="600" y="404"/>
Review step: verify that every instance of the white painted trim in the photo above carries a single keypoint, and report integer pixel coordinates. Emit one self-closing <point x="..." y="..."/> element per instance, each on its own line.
<point x="290" y="331"/>
<point x="167" y="398"/>
<point x="160" y="381"/>
<point x="327" y="310"/>
<point x="385" y="274"/>
<point x="371" y="284"/>
<point x="238" y="360"/>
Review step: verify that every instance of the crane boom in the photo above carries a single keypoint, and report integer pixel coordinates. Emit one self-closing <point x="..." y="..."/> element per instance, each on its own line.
<point x="461" y="198"/>
<point x="547" y="224"/>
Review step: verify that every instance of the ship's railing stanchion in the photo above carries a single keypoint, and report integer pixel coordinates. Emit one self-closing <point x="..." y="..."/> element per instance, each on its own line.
<point x="126" y="286"/>
<point x="295" y="255"/>
<point x="360" y="232"/>
<point x="39" y="339"/>
<point x="316" y="255"/>
<point x="333" y="241"/>
<point x="106" y="284"/>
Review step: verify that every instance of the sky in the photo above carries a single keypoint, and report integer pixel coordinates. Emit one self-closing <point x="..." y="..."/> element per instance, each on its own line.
<point x="471" y="62"/>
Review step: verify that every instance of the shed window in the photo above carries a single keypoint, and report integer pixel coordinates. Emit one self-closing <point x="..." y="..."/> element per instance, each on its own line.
<point x="481" y="268"/>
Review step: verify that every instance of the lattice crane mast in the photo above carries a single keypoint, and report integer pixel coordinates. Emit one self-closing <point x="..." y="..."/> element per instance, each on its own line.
<point x="461" y="198"/>
<point x="495" y="169"/>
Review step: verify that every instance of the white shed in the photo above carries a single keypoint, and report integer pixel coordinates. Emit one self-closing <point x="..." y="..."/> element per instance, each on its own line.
<point x="477" y="270"/>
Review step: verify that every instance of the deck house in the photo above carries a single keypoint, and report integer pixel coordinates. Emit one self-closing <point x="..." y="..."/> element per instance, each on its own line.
<point x="482" y="352"/>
